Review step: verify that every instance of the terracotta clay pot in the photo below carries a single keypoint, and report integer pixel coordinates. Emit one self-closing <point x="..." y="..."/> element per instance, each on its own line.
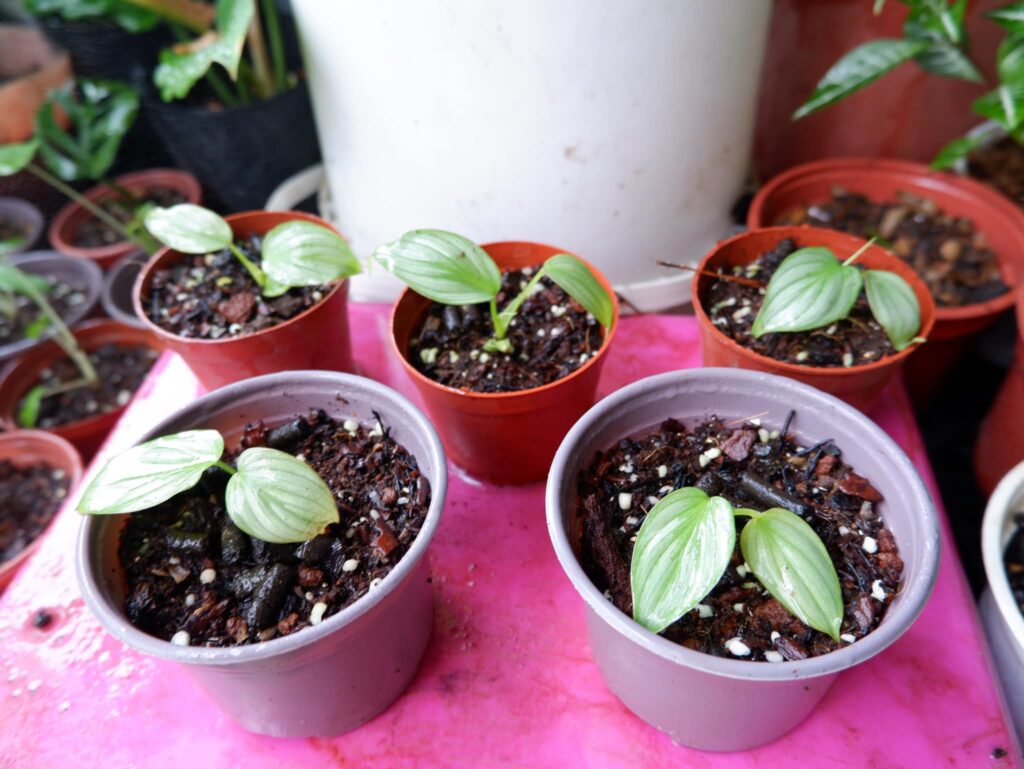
<point x="32" y="447"/>
<point x="86" y="435"/>
<point x="858" y="385"/>
<point x="64" y="227"/>
<point x="505" y="438"/>
<point x="314" y="339"/>
<point x="323" y="680"/>
<point x="29" y="69"/>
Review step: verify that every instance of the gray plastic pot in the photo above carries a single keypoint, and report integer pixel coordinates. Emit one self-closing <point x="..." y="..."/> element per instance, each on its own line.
<point x="52" y="265"/>
<point x="696" y="698"/>
<point x="27" y="216"/>
<point x="118" y="282"/>
<point x="320" y="681"/>
<point x="1000" y="613"/>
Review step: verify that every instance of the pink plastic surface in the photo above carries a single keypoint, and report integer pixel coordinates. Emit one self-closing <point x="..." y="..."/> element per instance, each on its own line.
<point x="508" y="680"/>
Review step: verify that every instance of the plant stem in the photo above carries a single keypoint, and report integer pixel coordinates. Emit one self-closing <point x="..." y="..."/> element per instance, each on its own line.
<point x="197" y="16"/>
<point x="65" y="387"/>
<point x="745" y="512"/>
<point x="124" y="194"/>
<point x="223" y="91"/>
<point x="258" y="56"/>
<point x="225" y="467"/>
<point x="257" y="274"/>
<point x="506" y="316"/>
<point x="276" y="41"/>
<point x="495" y="318"/>
<point x="63" y="337"/>
<point x="718" y="276"/>
<point x="857" y="254"/>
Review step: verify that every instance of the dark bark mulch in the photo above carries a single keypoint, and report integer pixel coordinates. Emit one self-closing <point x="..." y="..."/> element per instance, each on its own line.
<point x="1001" y="165"/>
<point x="31" y="496"/>
<point x="63" y="297"/>
<point x="93" y="233"/>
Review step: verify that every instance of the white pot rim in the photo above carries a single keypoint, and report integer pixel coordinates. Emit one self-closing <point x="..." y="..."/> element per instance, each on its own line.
<point x="996" y="529"/>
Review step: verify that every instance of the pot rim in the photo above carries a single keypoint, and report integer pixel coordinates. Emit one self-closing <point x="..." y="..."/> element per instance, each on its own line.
<point x="168" y="255"/>
<point x="113" y="618"/>
<point x="921" y="179"/>
<point x="514" y="394"/>
<point x="795" y="369"/>
<point x="996" y="529"/>
<point x="897" y="619"/>
<point x="25" y="214"/>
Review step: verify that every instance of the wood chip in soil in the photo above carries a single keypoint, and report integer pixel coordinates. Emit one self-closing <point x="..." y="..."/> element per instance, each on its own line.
<point x="551" y="336"/>
<point x="31" y="495"/>
<point x="755" y="466"/>
<point x="189" y="569"/>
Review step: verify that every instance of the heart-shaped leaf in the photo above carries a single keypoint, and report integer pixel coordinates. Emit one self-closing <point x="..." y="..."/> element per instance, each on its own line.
<point x="14" y="157"/>
<point x="189" y="229"/>
<point x="810" y="289"/>
<point x="278" y="498"/>
<point x="576" y="279"/>
<point x="858" y="68"/>
<point x="681" y="552"/>
<point x="894" y="305"/>
<point x="789" y="559"/>
<point x="441" y="266"/>
<point x="153" y="472"/>
<point x="306" y="254"/>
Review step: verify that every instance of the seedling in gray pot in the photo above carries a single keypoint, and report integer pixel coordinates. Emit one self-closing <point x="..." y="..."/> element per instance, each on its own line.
<point x="294" y="254"/>
<point x="451" y="269"/>
<point x="271" y="495"/>
<point x="812" y="289"/>
<point x="685" y="544"/>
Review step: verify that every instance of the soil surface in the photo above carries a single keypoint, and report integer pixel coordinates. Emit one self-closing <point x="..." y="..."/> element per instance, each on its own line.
<point x="752" y="466"/>
<point x="1001" y="165"/>
<point x="210" y="296"/>
<point x="121" y="370"/>
<point x="189" y="569"/>
<point x="31" y="496"/>
<point x="551" y="336"/>
<point x="92" y="233"/>
<point x="12" y="234"/>
<point x="732" y="307"/>
<point x="63" y="297"/>
<point x="1013" y="559"/>
<point x="951" y="256"/>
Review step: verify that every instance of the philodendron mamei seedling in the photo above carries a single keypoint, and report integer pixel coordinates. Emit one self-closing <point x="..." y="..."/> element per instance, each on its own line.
<point x="687" y="540"/>
<point x="812" y="289"/>
<point x="270" y="495"/>
<point x="294" y="254"/>
<point x="451" y="269"/>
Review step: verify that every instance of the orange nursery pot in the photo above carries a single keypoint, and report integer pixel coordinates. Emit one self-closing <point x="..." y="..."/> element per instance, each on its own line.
<point x="32" y="447"/>
<point x="86" y="435"/>
<point x="64" y="227"/>
<point x="858" y="385"/>
<point x="503" y="438"/>
<point x="317" y="338"/>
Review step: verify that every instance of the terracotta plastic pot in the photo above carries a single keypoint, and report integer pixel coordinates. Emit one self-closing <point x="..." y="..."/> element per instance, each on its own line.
<point x="26" y="217"/>
<point x="315" y="339"/>
<point x="504" y="438"/>
<point x="324" y="680"/>
<point x="31" y="447"/>
<point x="22" y="374"/>
<point x="1000" y="613"/>
<point x="694" y="697"/>
<point x="52" y="265"/>
<point x="858" y="385"/>
<point x="118" y="283"/>
<point x="29" y="69"/>
<point x="64" y="227"/>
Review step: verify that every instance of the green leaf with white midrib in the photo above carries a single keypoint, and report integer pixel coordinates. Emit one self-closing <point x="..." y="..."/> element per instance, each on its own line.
<point x="894" y="305"/>
<point x="151" y="473"/>
<point x="441" y="266"/>
<point x="681" y="551"/>
<point x="809" y="290"/>
<point x="306" y="254"/>
<point x="790" y="560"/>
<point x="189" y="228"/>
<point x="278" y="498"/>
<point x="576" y="279"/>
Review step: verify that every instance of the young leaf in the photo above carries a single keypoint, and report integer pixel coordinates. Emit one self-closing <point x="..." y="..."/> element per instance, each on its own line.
<point x="441" y="266"/>
<point x="152" y="472"/>
<point x="579" y="282"/>
<point x="14" y="157"/>
<point x="189" y="229"/>
<point x="894" y="306"/>
<point x="35" y="329"/>
<point x="681" y="552"/>
<point x="945" y="39"/>
<point x="278" y="498"/>
<point x="13" y="280"/>
<point x="954" y="151"/>
<point x="306" y="254"/>
<point x="1005" y="105"/>
<point x="9" y="244"/>
<point x="789" y="559"/>
<point x="810" y="289"/>
<point x="28" y="410"/>
<point x="858" y="68"/>
<point x="1010" y="17"/>
<point x="183" y="65"/>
